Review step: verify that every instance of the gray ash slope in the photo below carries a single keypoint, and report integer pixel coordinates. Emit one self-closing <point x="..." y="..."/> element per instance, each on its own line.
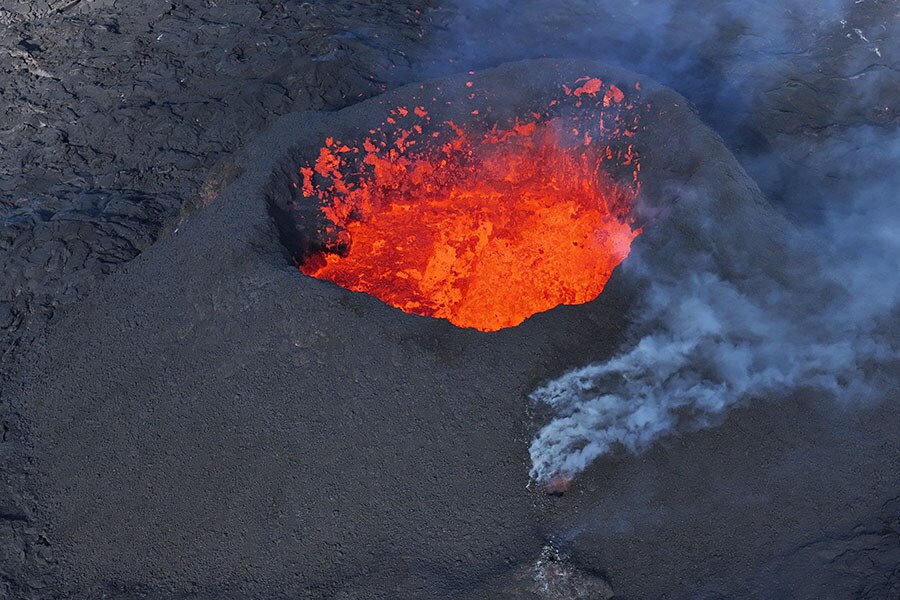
<point x="211" y="422"/>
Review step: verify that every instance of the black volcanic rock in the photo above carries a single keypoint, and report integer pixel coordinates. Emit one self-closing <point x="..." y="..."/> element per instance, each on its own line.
<point x="53" y="249"/>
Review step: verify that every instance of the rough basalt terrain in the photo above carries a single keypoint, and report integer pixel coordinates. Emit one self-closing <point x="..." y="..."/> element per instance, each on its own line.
<point x="176" y="470"/>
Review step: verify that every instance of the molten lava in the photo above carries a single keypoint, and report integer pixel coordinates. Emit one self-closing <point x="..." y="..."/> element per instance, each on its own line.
<point x="481" y="226"/>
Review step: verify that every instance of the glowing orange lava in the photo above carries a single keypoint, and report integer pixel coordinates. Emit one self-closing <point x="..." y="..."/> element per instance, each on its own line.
<point x="482" y="226"/>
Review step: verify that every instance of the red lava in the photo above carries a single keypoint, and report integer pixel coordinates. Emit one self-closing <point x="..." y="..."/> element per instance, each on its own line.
<point x="482" y="226"/>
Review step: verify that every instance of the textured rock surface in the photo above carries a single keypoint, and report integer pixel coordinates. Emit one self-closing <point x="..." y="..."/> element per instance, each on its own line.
<point x="54" y="249"/>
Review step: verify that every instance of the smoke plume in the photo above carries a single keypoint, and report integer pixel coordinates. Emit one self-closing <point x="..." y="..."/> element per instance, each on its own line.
<point x="703" y="345"/>
<point x="804" y="95"/>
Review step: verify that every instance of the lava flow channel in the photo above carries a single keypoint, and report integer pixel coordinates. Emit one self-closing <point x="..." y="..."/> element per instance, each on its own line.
<point x="481" y="229"/>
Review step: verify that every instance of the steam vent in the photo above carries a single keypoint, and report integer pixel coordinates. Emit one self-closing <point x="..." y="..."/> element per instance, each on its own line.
<point x="480" y="220"/>
<point x="228" y="417"/>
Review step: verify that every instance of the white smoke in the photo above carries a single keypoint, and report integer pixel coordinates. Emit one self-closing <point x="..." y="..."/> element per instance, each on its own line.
<point x="702" y="345"/>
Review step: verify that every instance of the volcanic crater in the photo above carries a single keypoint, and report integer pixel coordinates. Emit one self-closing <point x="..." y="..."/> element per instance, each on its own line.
<point x="310" y="432"/>
<point x="446" y="209"/>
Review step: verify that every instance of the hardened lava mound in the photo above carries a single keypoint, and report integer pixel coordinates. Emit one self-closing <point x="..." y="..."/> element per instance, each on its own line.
<point x="212" y="423"/>
<point x="475" y="217"/>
